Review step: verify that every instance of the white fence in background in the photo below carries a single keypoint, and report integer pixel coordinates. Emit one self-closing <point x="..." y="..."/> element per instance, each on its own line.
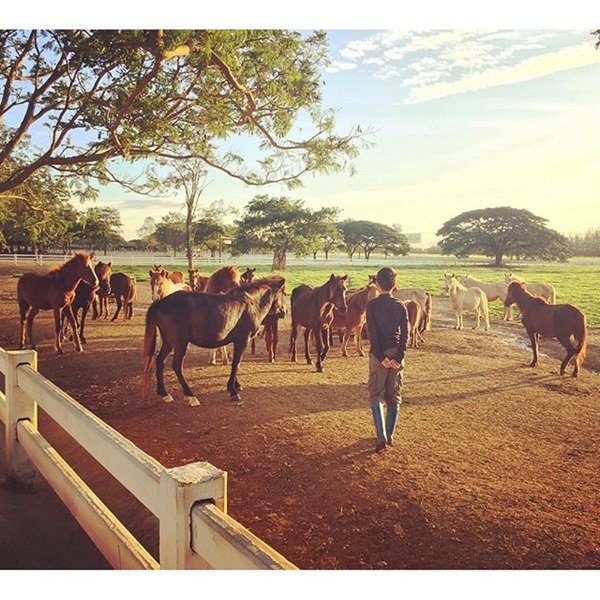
<point x="190" y="501"/>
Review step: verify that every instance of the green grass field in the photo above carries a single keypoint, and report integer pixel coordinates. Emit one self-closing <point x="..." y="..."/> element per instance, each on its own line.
<point x="577" y="284"/>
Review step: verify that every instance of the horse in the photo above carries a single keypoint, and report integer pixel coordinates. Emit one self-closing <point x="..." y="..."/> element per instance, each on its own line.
<point x="163" y="286"/>
<point x="159" y="271"/>
<point x="424" y="299"/>
<point x="493" y="290"/>
<point x="209" y="321"/>
<point x="124" y="290"/>
<point x="313" y="309"/>
<point x="221" y="281"/>
<point x="414" y="312"/>
<point x="248" y="275"/>
<point x="560" y="321"/>
<point x="354" y="319"/>
<point x="85" y="295"/>
<point x="198" y="282"/>
<point x="53" y="291"/>
<point x="467" y="299"/>
<point x="545" y="290"/>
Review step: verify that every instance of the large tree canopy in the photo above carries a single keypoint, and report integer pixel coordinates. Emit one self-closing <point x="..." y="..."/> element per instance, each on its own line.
<point x="369" y="235"/>
<point x="101" y="95"/>
<point x="502" y="231"/>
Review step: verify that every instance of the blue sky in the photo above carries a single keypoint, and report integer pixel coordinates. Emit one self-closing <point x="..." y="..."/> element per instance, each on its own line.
<point x="465" y="119"/>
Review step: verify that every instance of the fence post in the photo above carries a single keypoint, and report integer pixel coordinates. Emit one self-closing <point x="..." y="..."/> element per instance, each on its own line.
<point x="20" y="472"/>
<point x="180" y="489"/>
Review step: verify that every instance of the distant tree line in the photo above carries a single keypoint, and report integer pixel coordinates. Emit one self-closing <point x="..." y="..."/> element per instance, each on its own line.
<point x="587" y="244"/>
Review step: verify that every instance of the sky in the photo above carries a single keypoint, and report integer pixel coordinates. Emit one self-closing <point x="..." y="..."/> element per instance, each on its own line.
<point x="470" y="110"/>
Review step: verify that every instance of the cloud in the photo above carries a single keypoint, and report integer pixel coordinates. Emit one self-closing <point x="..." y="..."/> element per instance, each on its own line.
<point x="531" y="68"/>
<point x="338" y="65"/>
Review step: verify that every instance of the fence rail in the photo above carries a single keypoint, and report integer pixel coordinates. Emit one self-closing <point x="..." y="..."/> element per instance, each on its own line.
<point x="190" y="501"/>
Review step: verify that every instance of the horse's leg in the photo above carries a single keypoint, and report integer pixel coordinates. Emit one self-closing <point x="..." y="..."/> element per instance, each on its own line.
<point x="293" y="337"/>
<point x="212" y="357"/>
<point x="178" y="356"/>
<point x="23" y="308"/>
<point x="307" y="331"/>
<point x="84" y="312"/>
<point x="325" y="337"/>
<point x="119" y="302"/>
<point x="253" y="346"/>
<point x="269" y="341"/>
<point x="534" y="345"/>
<point x="346" y="339"/>
<point x="95" y="314"/>
<point x="165" y="348"/>
<point x="320" y="335"/>
<point x="275" y="333"/>
<point x="477" y="317"/>
<point x="71" y="318"/>
<point x="571" y="351"/>
<point x="233" y="385"/>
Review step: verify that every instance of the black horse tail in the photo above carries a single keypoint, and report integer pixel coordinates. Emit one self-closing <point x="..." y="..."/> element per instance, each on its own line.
<point x="582" y="339"/>
<point x="149" y="348"/>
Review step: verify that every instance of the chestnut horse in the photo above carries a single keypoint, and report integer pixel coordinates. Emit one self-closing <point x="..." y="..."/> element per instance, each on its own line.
<point x="221" y="281"/>
<point x="209" y="321"/>
<point x="560" y="321"/>
<point x="312" y="308"/>
<point x="124" y="291"/>
<point x="53" y="291"/>
<point x="415" y="316"/>
<point x="354" y="319"/>
<point x="198" y="282"/>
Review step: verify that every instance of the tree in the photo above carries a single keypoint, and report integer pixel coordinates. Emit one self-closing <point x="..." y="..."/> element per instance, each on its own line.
<point x="322" y="231"/>
<point x="279" y="225"/>
<point x="101" y="227"/>
<point x="587" y="244"/>
<point x="170" y="232"/>
<point x="369" y="235"/>
<point x="132" y="94"/>
<point x="502" y="231"/>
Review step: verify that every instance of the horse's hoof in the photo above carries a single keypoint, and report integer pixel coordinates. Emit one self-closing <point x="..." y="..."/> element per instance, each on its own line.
<point x="320" y="370"/>
<point x="168" y="399"/>
<point x="60" y="352"/>
<point x="192" y="400"/>
<point x="309" y="362"/>
<point x="236" y="397"/>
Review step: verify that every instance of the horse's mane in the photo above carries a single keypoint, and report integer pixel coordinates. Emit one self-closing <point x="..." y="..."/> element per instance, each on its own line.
<point x="75" y="257"/>
<point x="258" y="284"/>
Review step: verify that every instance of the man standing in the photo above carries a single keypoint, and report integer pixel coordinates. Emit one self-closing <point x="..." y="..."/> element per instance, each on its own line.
<point x="387" y="322"/>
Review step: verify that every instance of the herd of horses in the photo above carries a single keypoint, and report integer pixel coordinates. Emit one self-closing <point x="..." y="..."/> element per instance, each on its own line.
<point x="231" y="308"/>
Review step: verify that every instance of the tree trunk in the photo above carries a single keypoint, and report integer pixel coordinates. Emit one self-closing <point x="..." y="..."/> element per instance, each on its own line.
<point x="498" y="259"/>
<point x="315" y="255"/>
<point x="326" y="254"/>
<point x="279" y="260"/>
<point x="189" y="240"/>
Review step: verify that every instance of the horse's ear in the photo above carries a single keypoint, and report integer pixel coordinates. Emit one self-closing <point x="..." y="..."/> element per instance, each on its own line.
<point x="344" y="277"/>
<point x="150" y="272"/>
<point x="92" y="254"/>
<point x="332" y="276"/>
<point x="253" y="270"/>
<point x="110" y="263"/>
<point x="279" y="284"/>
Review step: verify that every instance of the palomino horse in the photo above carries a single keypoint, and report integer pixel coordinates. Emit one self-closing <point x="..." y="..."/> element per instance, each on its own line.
<point x="313" y="309"/>
<point x="414" y="312"/>
<point x="163" y="286"/>
<point x="354" y="319"/>
<point x="493" y="290"/>
<point x="544" y="290"/>
<point x="560" y="321"/>
<point x="220" y="282"/>
<point x="424" y="299"/>
<point x="198" y="282"/>
<point x="159" y="271"/>
<point x="85" y="296"/>
<point x="465" y="299"/>
<point x="53" y="291"/>
<point x="209" y="321"/>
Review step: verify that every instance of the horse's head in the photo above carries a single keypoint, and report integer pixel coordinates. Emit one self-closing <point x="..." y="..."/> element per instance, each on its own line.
<point x="372" y="287"/>
<point x="103" y="272"/>
<point x="247" y="276"/>
<point x="278" y="304"/>
<point x="448" y="279"/>
<point x="515" y="288"/>
<point x="337" y="287"/>
<point x="84" y="268"/>
<point x="155" y="278"/>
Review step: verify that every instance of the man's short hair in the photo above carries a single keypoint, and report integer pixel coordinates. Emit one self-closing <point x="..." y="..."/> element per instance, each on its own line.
<point x="386" y="278"/>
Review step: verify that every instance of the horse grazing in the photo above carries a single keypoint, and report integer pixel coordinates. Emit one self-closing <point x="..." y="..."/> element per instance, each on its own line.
<point x="220" y="282"/>
<point x="414" y="312"/>
<point x="53" y="291"/>
<point x="494" y="291"/>
<point x="424" y="299"/>
<point x="354" y="319"/>
<point x="313" y="309"/>
<point x="198" y="282"/>
<point x="465" y="299"/>
<point x="209" y="321"/>
<point x="545" y="290"/>
<point x="560" y="321"/>
<point x="124" y="290"/>
<point x="159" y="271"/>
<point x="85" y="296"/>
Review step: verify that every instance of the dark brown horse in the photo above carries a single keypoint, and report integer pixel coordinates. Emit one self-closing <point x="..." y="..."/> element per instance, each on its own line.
<point x="124" y="291"/>
<point x="209" y="321"/>
<point x="53" y="291"/>
<point x="354" y="319"/>
<point x="312" y="308"/>
<point x="85" y="296"/>
<point x="560" y="321"/>
<point x="248" y="275"/>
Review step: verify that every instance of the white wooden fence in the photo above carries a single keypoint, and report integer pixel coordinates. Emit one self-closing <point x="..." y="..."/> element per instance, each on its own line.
<point x="190" y="501"/>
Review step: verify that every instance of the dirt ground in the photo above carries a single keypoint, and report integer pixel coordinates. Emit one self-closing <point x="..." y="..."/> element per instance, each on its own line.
<point x="494" y="466"/>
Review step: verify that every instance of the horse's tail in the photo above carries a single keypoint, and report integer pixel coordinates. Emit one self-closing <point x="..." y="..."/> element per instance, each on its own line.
<point x="582" y="339"/>
<point x="149" y="347"/>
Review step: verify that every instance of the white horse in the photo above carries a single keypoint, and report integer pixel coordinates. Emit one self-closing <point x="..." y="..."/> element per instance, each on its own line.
<point x="545" y="290"/>
<point x="467" y="299"/>
<point x="422" y="298"/>
<point x="493" y="290"/>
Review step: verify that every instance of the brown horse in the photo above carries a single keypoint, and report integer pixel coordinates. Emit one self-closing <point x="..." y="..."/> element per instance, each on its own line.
<point x="312" y="308"/>
<point x="198" y="282"/>
<point x="560" y="321"/>
<point x="53" y="291"/>
<point x="209" y="321"/>
<point x="85" y="296"/>
<point x="220" y="282"/>
<point x="415" y="318"/>
<point x="354" y="319"/>
<point x="248" y="275"/>
<point x="124" y="291"/>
